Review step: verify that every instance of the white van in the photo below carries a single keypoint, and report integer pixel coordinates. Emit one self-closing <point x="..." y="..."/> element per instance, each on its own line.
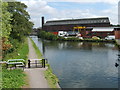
<point x="62" y="33"/>
<point x="112" y="37"/>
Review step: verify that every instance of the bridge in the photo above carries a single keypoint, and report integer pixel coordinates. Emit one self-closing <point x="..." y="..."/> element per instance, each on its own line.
<point x="34" y="32"/>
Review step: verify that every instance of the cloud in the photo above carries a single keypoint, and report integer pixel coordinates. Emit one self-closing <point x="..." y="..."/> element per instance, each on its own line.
<point x="112" y="13"/>
<point x="39" y="8"/>
<point x="86" y="1"/>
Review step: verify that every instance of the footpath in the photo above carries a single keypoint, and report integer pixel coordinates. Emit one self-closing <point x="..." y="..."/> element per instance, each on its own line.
<point x="36" y="77"/>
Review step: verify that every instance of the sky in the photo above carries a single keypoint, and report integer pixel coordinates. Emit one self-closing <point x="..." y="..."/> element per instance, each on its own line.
<point x="71" y="9"/>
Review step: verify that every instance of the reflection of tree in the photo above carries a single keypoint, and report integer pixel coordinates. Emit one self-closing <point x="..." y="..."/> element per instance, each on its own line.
<point x="43" y="47"/>
<point x="87" y="46"/>
<point x="119" y="67"/>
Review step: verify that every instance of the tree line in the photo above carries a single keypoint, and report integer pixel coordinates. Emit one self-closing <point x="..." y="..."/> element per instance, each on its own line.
<point x="15" y="25"/>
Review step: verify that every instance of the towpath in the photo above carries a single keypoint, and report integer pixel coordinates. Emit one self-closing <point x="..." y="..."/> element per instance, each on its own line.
<point x="35" y="75"/>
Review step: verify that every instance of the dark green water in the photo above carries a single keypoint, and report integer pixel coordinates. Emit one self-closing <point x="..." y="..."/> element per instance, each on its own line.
<point x="82" y="65"/>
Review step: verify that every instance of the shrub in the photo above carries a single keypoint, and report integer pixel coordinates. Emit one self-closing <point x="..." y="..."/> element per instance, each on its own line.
<point x="47" y="35"/>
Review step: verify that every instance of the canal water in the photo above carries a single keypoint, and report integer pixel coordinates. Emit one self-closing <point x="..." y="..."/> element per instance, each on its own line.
<point x="82" y="64"/>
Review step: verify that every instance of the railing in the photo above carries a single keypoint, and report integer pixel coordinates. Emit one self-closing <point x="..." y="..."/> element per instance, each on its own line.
<point x="21" y="63"/>
<point x="36" y="62"/>
<point x="16" y="63"/>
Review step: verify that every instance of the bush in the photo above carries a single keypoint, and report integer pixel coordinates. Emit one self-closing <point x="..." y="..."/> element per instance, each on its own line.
<point x="47" y="35"/>
<point x="20" y="51"/>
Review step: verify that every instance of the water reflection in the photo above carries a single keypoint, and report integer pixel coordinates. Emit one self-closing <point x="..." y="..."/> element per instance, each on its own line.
<point x="82" y="64"/>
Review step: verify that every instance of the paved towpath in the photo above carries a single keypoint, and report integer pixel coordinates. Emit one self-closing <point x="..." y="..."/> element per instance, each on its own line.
<point x="35" y="75"/>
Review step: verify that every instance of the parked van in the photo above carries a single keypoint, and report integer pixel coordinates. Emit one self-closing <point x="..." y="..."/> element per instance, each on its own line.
<point x="112" y="37"/>
<point x="62" y="33"/>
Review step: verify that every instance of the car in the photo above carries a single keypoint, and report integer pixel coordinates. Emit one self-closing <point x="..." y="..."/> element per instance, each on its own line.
<point x="80" y="37"/>
<point x="110" y="38"/>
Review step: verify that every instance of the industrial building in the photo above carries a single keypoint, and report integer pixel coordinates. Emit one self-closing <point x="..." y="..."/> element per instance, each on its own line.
<point x="93" y="26"/>
<point x="67" y="25"/>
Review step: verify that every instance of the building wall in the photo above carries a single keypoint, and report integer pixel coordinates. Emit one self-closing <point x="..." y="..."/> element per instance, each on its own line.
<point x="102" y="34"/>
<point x="117" y="33"/>
<point x="56" y="28"/>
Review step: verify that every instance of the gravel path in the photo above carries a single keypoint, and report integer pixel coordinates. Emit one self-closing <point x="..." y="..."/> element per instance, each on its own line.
<point x="35" y="75"/>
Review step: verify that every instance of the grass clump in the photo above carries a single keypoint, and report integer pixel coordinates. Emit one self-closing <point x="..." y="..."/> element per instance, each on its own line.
<point x="13" y="78"/>
<point x="51" y="78"/>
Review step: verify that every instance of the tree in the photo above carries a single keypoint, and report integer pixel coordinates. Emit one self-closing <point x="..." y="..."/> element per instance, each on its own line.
<point x="5" y="27"/>
<point x="20" y="20"/>
<point x="5" y="21"/>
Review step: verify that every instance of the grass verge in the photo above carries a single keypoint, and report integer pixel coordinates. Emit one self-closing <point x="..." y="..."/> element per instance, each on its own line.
<point x="51" y="78"/>
<point x="39" y="54"/>
<point x="15" y="78"/>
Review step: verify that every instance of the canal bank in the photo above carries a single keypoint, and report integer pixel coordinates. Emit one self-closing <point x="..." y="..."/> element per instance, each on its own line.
<point x="36" y="76"/>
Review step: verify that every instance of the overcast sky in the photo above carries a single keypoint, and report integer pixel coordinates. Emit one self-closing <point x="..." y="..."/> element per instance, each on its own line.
<point x="71" y="9"/>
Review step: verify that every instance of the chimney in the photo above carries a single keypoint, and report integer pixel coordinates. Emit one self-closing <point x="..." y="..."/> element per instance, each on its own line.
<point x="42" y="22"/>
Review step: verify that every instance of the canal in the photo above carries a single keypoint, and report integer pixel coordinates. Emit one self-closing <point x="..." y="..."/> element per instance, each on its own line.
<point x="82" y="64"/>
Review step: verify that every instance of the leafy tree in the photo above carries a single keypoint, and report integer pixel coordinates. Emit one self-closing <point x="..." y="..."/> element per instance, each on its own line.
<point x="5" y="21"/>
<point x="20" y="20"/>
<point x="5" y="27"/>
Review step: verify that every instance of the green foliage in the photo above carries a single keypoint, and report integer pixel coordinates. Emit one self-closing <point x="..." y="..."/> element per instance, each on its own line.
<point x="50" y="36"/>
<point x="72" y="39"/>
<point x="39" y="54"/>
<point x="19" y="51"/>
<point x="21" y="25"/>
<point x="13" y="78"/>
<point x="47" y="35"/>
<point x="6" y="26"/>
<point x="52" y="79"/>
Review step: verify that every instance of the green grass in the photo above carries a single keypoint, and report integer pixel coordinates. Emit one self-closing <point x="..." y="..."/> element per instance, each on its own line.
<point x="13" y="78"/>
<point x="39" y="54"/>
<point x="51" y="78"/>
<point x="0" y="77"/>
